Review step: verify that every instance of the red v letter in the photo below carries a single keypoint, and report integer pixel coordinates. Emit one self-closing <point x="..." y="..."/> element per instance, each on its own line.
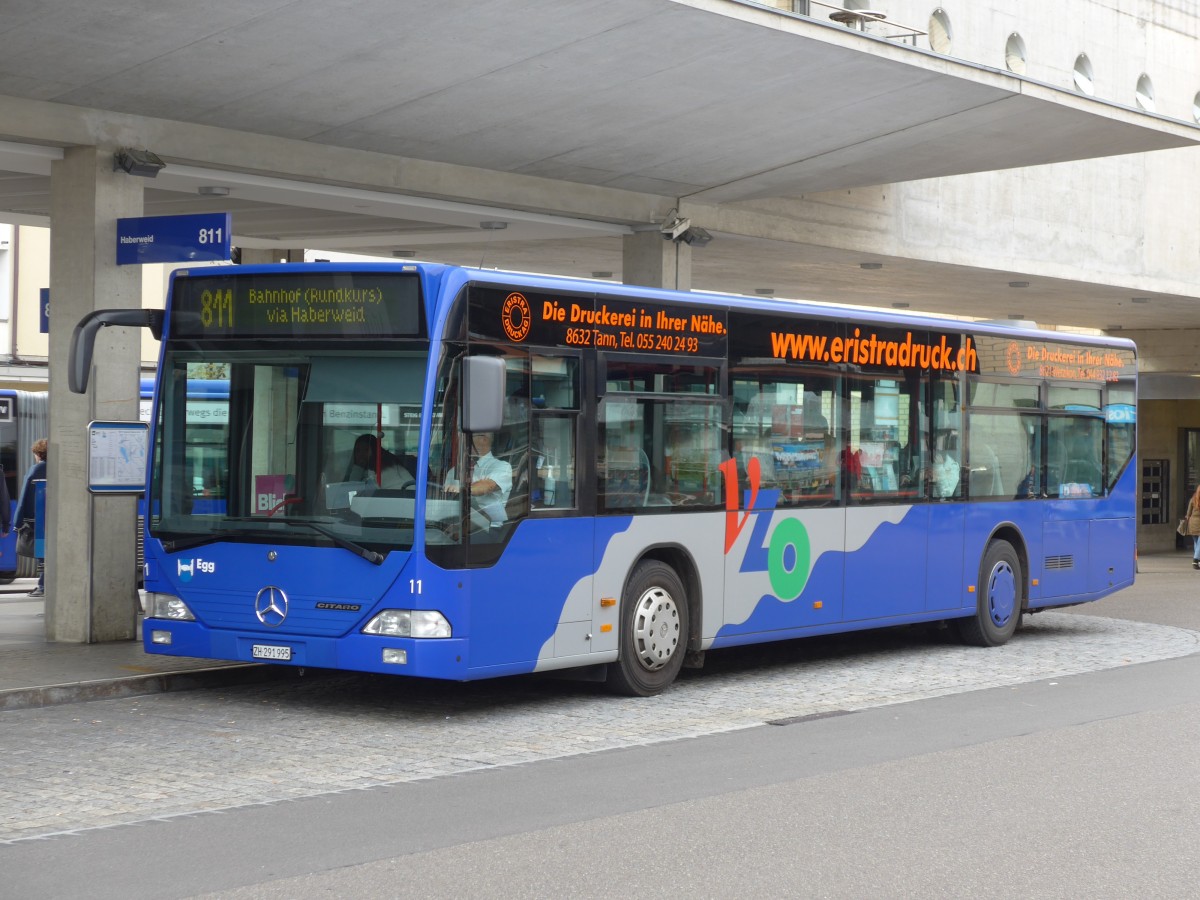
<point x="734" y="525"/>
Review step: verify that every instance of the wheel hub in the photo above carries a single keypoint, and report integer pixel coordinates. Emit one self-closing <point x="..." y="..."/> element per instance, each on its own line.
<point x="1002" y="594"/>
<point x="655" y="628"/>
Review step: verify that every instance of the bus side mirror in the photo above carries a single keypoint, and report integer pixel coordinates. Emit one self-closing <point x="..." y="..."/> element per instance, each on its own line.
<point x="483" y="393"/>
<point x="83" y="339"/>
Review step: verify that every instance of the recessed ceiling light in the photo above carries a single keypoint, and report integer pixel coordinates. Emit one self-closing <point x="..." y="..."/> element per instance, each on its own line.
<point x="1018" y="284"/>
<point x="870" y="265"/>
<point x="212" y="190"/>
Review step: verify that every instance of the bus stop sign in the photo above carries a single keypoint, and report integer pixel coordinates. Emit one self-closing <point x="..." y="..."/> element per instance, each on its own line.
<point x="161" y="239"/>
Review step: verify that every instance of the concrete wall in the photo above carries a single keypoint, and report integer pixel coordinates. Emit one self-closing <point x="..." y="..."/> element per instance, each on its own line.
<point x="1161" y="423"/>
<point x="1123" y="39"/>
<point x="1160" y="427"/>
<point x="1108" y="221"/>
<point x="8" y="259"/>
<point x="33" y="273"/>
<point x="33" y="262"/>
<point x="1174" y="351"/>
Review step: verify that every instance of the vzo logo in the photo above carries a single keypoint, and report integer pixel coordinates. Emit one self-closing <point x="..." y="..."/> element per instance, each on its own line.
<point x="788" y="552"/>
<point x="186" y="570"/>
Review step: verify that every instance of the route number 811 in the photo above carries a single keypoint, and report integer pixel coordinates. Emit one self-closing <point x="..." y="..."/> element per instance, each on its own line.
<point x="216" y="308"/>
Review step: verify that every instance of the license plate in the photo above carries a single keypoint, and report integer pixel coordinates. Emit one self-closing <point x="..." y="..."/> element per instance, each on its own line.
<point x="270" y="651"/>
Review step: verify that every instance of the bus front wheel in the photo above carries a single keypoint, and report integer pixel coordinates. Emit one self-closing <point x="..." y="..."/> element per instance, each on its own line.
<point x="1000" y="592"/>
<point x="654" y="630"/>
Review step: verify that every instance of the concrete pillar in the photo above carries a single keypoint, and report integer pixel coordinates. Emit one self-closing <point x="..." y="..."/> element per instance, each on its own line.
<point x="650" y="261"/>
<point x="91" y="589"/>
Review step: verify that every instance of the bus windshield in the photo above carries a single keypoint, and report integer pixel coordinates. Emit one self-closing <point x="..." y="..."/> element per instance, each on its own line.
<point x="303" y="446"/>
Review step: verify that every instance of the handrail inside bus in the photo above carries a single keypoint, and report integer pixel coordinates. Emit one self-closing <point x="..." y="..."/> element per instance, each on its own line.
<point x="83" y="339"/>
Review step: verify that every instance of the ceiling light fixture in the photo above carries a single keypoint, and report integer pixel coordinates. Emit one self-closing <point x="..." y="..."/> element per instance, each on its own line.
<point x="212" y="190"/>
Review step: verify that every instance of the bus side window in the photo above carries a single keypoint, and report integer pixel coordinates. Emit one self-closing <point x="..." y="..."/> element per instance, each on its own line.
<point x="554" y="405"/>
<point x="624" y="468"/>
<point x="1074" y="453"/>
<point x="553" y="457"/>
<point x="512" y="442"/>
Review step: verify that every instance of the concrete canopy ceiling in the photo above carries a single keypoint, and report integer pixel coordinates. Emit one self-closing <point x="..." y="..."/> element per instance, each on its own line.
<point x="574" y="122"/>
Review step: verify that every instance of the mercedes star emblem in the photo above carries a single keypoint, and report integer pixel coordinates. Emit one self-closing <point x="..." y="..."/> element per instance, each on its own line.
<point x="271" y="606"/>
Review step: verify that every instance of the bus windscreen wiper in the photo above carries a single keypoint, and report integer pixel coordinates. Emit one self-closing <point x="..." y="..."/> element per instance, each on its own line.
<point x="357" y="549"/>
<point x="176" y="546"/>
<point x="179" y="544"/>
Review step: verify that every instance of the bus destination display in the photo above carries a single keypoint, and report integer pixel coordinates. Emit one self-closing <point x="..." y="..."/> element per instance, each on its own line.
<point x="340" y="304"/>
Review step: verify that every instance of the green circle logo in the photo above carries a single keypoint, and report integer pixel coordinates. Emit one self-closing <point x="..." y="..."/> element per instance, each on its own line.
<point x="788" y="558"/>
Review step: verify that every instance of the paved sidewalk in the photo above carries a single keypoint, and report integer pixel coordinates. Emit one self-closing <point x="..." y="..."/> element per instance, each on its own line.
<point x="35" y="672"/>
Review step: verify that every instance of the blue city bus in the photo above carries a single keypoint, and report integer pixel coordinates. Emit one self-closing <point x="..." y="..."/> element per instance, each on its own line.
<point x="24" y="419"/>
<point x="460" y="474"/>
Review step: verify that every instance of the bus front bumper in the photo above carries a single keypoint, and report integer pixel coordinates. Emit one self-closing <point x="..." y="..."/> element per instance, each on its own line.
<point x="420" y="657"/>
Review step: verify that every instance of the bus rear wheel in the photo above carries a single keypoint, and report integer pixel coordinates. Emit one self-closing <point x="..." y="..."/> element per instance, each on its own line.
<point x="654" y="630"/>
<point x="1000" y="593"/>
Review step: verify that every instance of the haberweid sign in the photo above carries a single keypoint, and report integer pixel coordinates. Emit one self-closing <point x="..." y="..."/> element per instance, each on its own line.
<point x="160" y="239"/>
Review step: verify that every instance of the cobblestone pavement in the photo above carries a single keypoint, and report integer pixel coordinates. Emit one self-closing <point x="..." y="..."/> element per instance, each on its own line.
<point x="92" y="765"/>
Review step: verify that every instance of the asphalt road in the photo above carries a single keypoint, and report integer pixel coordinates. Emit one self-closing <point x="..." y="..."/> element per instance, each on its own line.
<point x="1076" y="778"/>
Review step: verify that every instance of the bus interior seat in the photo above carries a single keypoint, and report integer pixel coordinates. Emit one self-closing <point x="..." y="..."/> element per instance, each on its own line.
<point x="984" y="479"/>
<point x="631" y="487"/>
<point x="517" y="506"/>
<point x="1083" y="471"/>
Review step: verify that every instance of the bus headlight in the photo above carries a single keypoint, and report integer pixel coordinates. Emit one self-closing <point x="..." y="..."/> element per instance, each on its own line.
<point x="417" y="623"/>
<point x="167" y="606"/>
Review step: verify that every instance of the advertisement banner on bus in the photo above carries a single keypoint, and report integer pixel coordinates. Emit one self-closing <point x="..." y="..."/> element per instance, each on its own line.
<point x="605" y="323"/>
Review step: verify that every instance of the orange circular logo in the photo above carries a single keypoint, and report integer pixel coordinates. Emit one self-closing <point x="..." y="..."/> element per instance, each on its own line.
<point x="517" y="317"/>
<point x="1014" y="358"/>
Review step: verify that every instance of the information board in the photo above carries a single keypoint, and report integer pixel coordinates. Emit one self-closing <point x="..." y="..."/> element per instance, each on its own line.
<point x="117" y="453"/>
<point x="158" y="239"/>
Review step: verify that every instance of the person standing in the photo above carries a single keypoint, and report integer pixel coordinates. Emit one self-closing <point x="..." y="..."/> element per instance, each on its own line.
<point x="25" y="506"/>
<point x="1192" y="517"/>
<point x="5" y="505"/>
